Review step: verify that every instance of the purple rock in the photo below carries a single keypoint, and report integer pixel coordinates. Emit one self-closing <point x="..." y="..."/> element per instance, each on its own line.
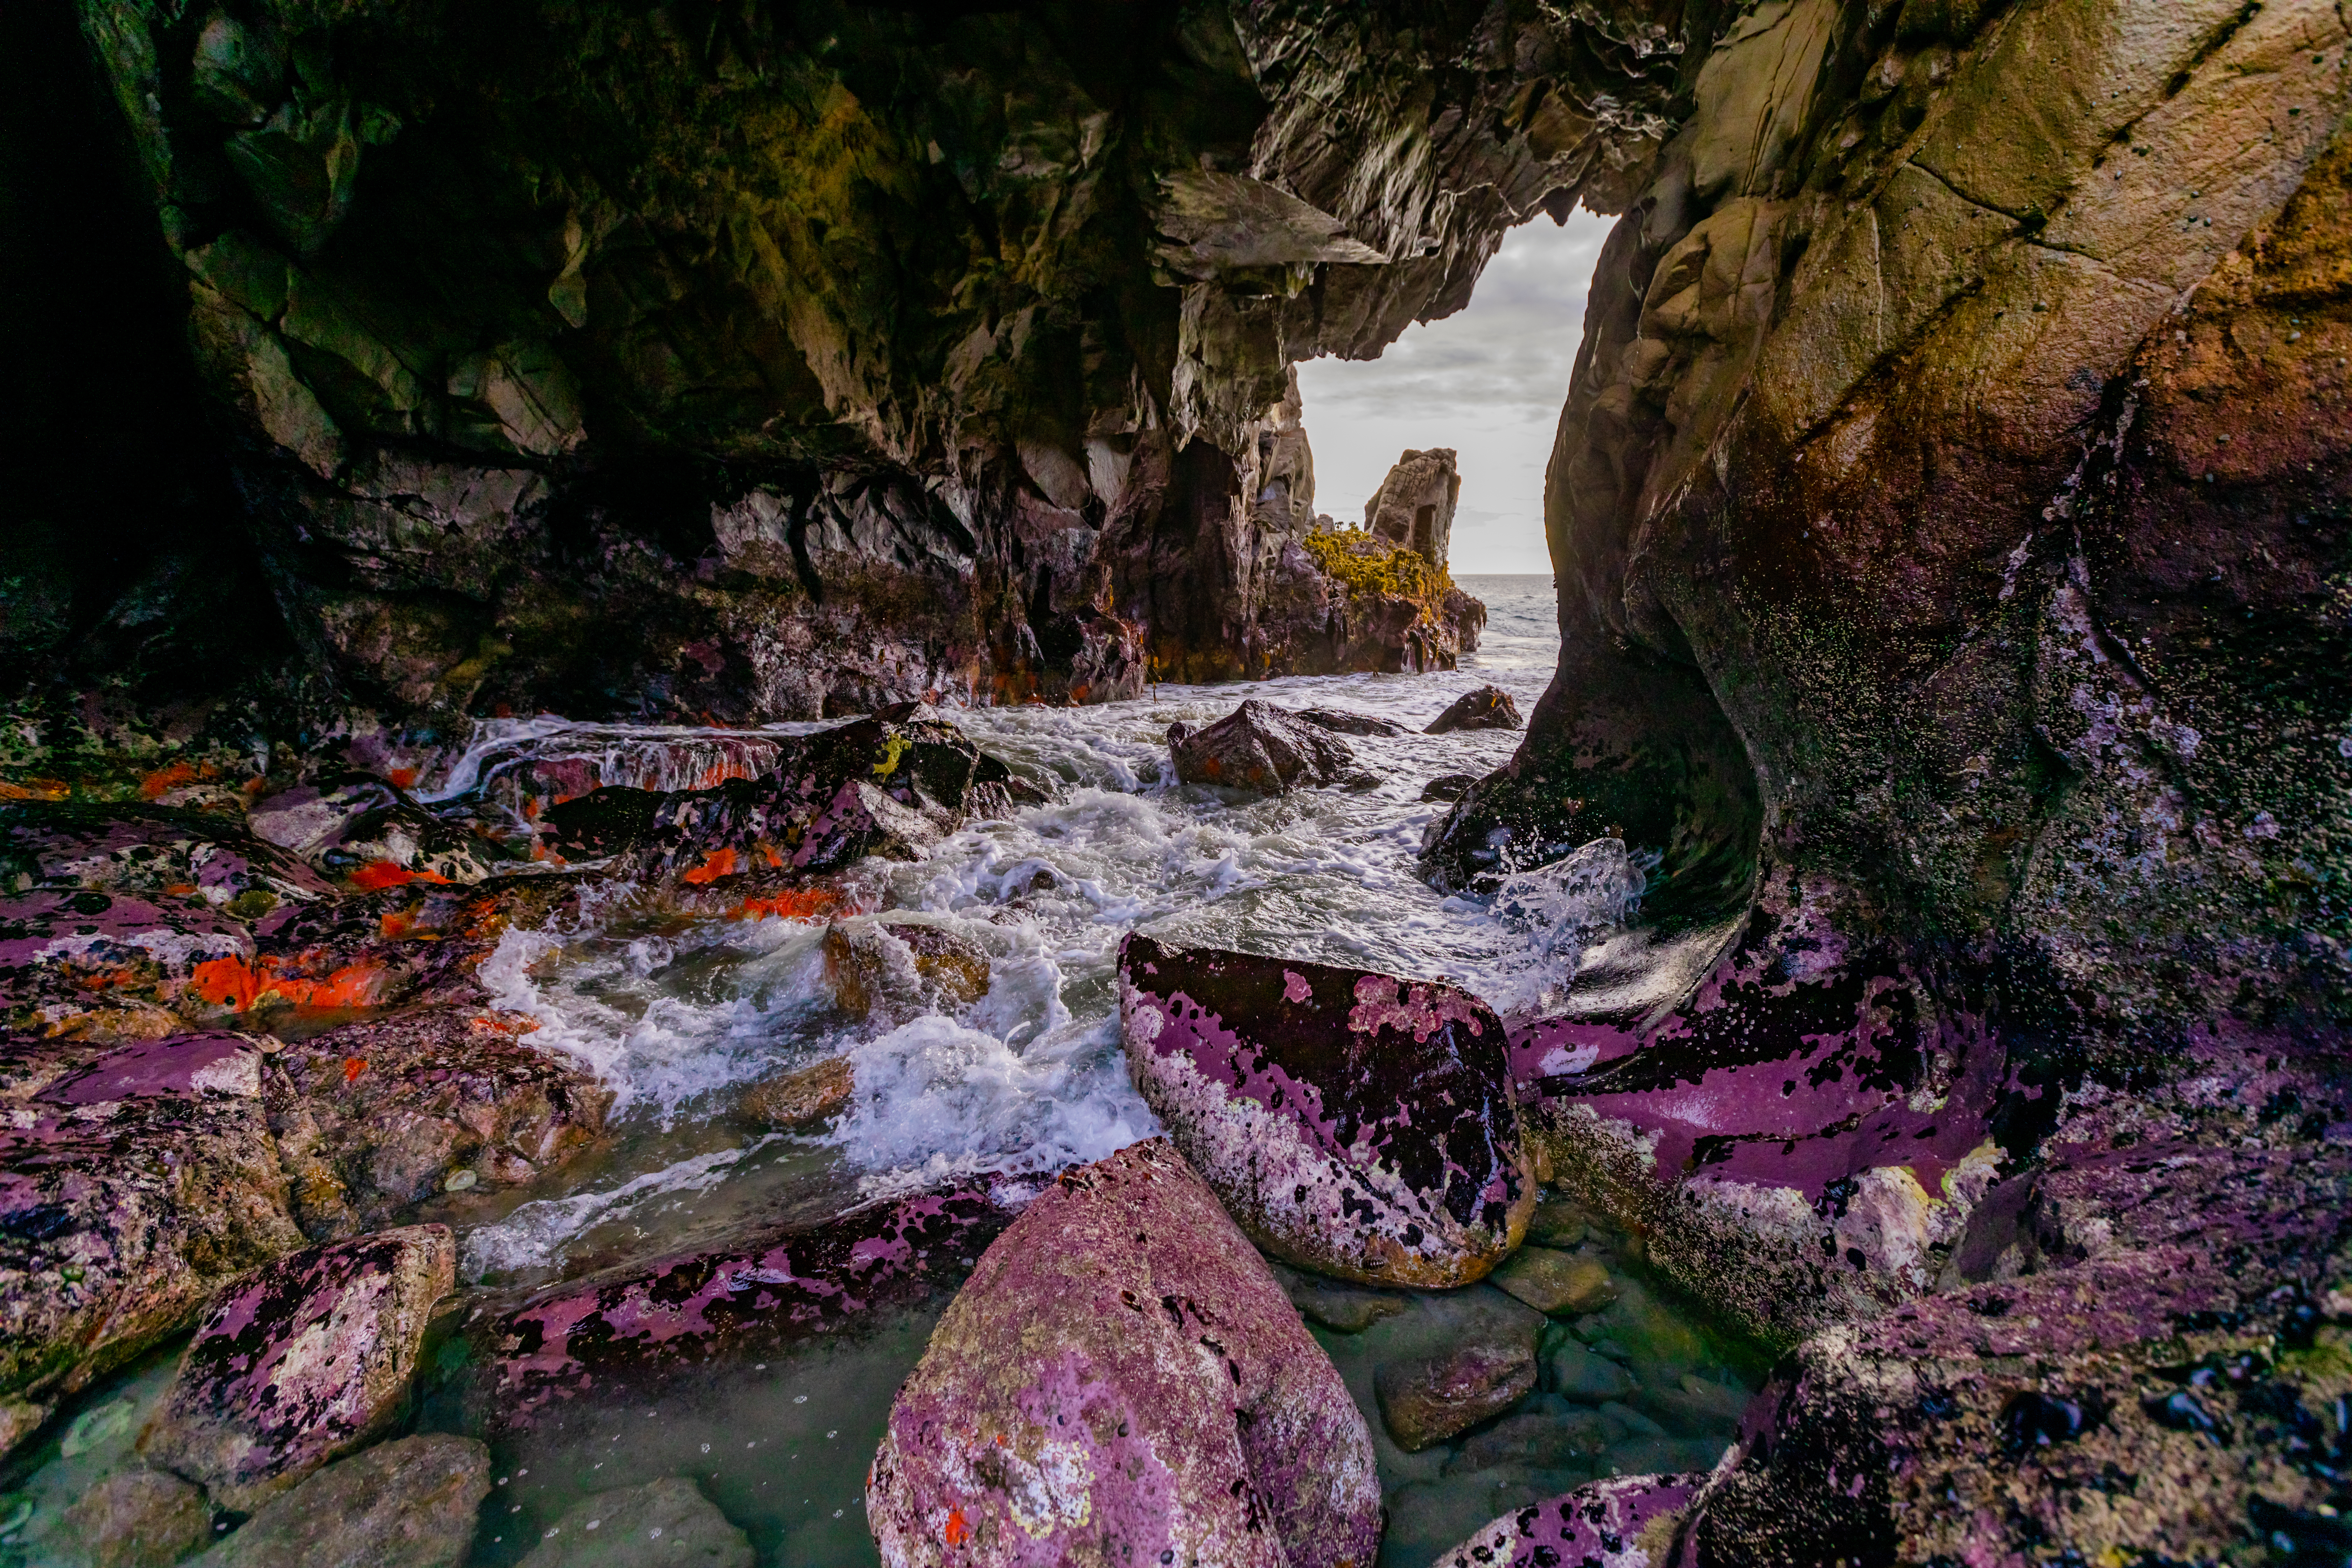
<point x="1488" y="708"/>
<point x="1123" y="1381"/>
<point x="367" y="830"/>
<point x="1627" y="1521"/>
<point x="1354" y="1123"/>
<point x="1261" y="747"/>
<point x="299" y="1364"/>
<point x="580" y="1337"/>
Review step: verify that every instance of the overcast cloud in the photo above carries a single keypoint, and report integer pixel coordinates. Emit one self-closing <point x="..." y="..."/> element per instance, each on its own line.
<point x="1487" y="382"/>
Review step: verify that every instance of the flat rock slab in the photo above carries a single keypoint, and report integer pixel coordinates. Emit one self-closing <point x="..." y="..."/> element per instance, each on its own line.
<point x="1123" y="1381"/>
<point x="588" y="1336"/>
<point x="1488" y="708"/>
<point x="1628" y="1521"/>
<point x="300" y="1364"/>
<point x="404" y="1504"/>
<point x="666" y="1523"/>
<point x="1356" y="1125"/>
<point x="1261" y="747"/>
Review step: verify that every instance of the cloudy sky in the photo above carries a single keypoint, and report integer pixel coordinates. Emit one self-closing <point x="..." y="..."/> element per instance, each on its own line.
<point x="1487" y="382"/>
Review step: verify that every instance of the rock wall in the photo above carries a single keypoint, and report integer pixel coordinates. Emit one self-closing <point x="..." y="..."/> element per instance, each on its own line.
<point x="672" y="361"/>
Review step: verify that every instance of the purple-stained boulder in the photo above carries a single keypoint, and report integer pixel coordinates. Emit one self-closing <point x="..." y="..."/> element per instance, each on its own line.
<point x="134" y="1180"/>
<point x="369" y="832"/>
<point x="402" y="1107"/>
<point x="299" y="1364"/>
<point x="891" y="784"/>
<point x="1626" y="1521"/>
<point x="1261" y="747"/>
<point x="1357" y="1124"/>
<point x="1122" y="1381"/>
<point x="1488" y="708"/>
<point x="637" y="1324"/>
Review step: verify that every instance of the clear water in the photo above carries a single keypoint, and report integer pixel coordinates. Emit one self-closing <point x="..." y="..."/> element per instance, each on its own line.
<point x="682" y="1014"/>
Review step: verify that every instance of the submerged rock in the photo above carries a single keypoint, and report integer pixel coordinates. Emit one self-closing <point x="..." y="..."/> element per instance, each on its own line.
<point x="1356" y="1125"/>
<point x="1552" y="1281"/>
<point x="1626" y="1522"/>
<point x="139" y="1518"/>
<point x="396" y="1107"/>
<point x="1586" y="1376"/>
<point x="1348" y="1307"/>
<point x="1488" y="708"/>
<point x="1261" y="747"/>
<point x="1448" y="786"/>
<point x="1486" y="1364"/>
<point x="899" y="969"/>
<point x="410" y="1503"/>
<point x="658" y="1525"/>
<point x="1123" y="1376"/>
<point x="300" y="1364"/>
<point x="641" y="1323"/>
<point x="802" y="1098"/>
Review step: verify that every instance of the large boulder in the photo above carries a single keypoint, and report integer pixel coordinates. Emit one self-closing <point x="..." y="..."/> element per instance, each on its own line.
<point x="1122" y="1378"/>
<point x="134" y="1180"/>
<point x="1627" y="1521"/>
<point x="300" y="1364"/>
<point x="1413" y="506"/>
<point x="1354" y="1123"/>
<point x="891" y="784"/>
<point x="410" y="1503"/>
<point x="1261" y="747"/>
<point x="636" y="1325"/>
<point x="1487" y="708"/>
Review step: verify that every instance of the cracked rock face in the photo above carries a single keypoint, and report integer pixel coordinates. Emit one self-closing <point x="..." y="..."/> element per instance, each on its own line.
<point x="1353" y="1124"/>
<point x="1122" y="1374"/>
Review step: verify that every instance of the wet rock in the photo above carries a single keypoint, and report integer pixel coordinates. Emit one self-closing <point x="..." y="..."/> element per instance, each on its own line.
<point x="300" y="1364"/>
<point x="19" y="1419"/>
<point x="1558" y="1222"/>
<point x="1645" y="1330"/>
<point x="1340" y="721"/>
<point x="165" y="856"/>
<point x="892" y="784"/>
<point x="1261" y="747"/>
<point x="1628" y="1523"/>
<point x="1575" y="1373"/>
<point x="900" y="969"/>
<point x="134" y="1179"/>
<point x="1356" y="1125"/>
<point x="410" y="1503"/>
<point x="369" y="832"/>
<point x="1447" y="786"/>
<point x="661" y="1522"/>
<point x="633" y="1326"/>
<point x="1345" y="1307"/>
<point x="804" y="1097"/>
<point x="1666" y="1455"/>
<point x="1552" y="1281"/>
<point x="1544" y="1439"/>
<point x="1488" y="708"/>
<point x="139" y="1519"/>
<point x="1625" y="1424"/>
<point x="1489" y="1366"/>
<point x="1122" y="1374"/>
<point x="1692" y="1406"/>
<point x="396" y="1107"/>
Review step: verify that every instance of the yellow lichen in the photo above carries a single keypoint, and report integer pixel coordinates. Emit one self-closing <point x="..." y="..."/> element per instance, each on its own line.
<point x="1370" y="565"/>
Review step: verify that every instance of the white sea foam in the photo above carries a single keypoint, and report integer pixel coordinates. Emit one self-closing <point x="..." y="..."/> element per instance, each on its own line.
<point x="533" y="1236"/>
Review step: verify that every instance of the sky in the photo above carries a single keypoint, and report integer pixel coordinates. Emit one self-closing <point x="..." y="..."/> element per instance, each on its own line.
<point x="1488" y="381"/>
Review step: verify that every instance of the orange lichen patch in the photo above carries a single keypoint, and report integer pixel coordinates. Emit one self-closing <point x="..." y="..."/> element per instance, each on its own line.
<point x="234" y="983"/>
<point x="35" y="789"/>
<point x="378" y="874"/>
<point x="163" y="780"/>
<point x="955" y="1531"/>
<point x="791" y="904"/>
<point x="179" y="889"/>
<point x="503" y="1024"/>
<point x="395" y="925"/>
<point x="717" y="864"/>
<point x="352" y="1068"/>
<point x="402" y="778"/>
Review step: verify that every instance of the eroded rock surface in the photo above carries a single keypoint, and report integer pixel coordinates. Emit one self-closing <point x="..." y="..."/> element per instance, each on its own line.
<point x="1357" y="1124"/>
<point x="1121" y="1366"/>
<point x="299" y="1364"/>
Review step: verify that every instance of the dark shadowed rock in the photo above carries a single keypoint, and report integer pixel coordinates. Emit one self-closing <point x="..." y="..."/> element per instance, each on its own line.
<point x="1261" y="747"/>
<point x="658" y="1525"/>
<point x="300" y="1364"/>
<point x="396" y="1107"/>
<point x="1575" y="1373"/>
<point x="1629" y="1521"/>
<point x="638" y="1324"/>
<point x="134" y="1179"/>
<point x="1486" y="1364"/>
<point x="1539" y="1439"/>
<point x="1122" y="1375"/>
<point x="1351" y="1309"/>
<point x="1447" y="786"/>
<point x="1488" y="708"/>
<point x="892" y="784"/>
<point x="1357" y="1124"/>
<point x="410" y="1503"/>
<point x="1340" y="721"/>
<point x="804" y="1097"/>
<point x="139" y="1519"/>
